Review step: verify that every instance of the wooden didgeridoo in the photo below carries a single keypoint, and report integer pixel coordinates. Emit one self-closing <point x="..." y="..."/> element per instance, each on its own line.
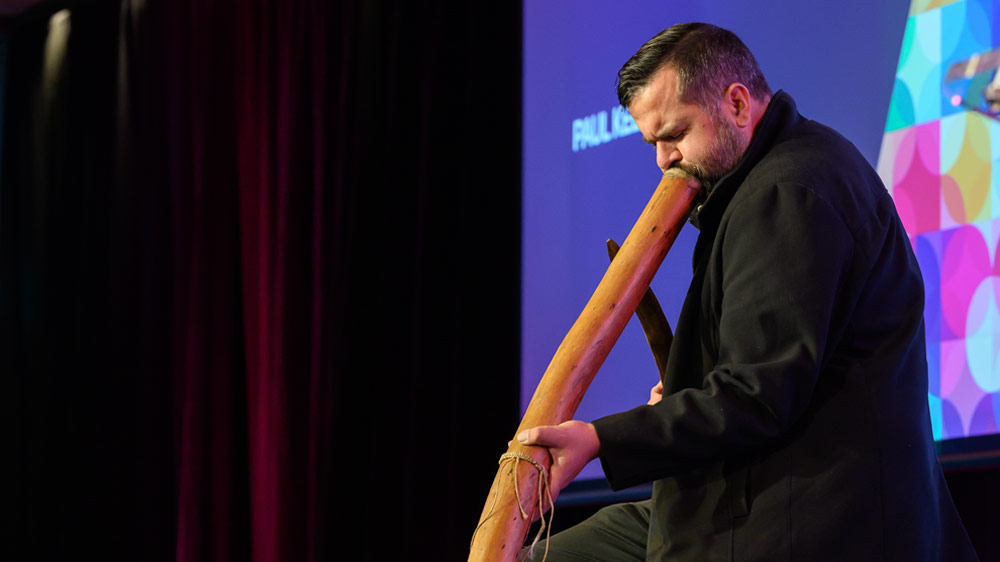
<point x="502" y="529"/>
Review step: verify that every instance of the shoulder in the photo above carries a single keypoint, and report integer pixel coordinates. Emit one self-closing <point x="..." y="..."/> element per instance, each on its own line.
<point x="813" y="168"/>
<point x="814" y="154"/>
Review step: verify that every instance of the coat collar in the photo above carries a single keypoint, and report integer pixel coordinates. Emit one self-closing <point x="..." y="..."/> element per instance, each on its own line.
<point x="781" y="115"/>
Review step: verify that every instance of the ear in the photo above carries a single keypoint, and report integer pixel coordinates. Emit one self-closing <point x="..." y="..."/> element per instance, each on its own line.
<point x="736" y="103"/>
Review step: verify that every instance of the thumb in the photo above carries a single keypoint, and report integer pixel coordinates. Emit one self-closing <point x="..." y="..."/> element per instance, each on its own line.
<point x="534" y="436"/>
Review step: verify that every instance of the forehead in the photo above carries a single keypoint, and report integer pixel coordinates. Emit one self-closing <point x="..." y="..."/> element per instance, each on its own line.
<point x="662" y="90"/>
<point x="658" y="106"/>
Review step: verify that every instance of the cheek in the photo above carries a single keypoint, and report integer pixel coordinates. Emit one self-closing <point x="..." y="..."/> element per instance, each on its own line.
<point x="690" y="150"/>
<point x="697" y="145"/>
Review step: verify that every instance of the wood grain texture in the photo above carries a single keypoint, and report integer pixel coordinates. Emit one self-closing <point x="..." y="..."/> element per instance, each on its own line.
<point x="501" y="531"/>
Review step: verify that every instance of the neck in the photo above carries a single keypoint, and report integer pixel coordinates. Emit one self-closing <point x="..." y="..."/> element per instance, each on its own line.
<point x="757" y="110"/>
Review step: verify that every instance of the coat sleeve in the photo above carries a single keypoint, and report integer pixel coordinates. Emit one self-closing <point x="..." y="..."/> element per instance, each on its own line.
<point x="781" y="259"/>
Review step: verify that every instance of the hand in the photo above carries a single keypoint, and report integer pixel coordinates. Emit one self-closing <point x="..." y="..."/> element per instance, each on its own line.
<point x="571" y="445"/>
<point x="655" y="393"/>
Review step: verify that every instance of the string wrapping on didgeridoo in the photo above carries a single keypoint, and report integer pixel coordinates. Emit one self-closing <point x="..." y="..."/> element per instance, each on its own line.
<point x="543" y="484"/>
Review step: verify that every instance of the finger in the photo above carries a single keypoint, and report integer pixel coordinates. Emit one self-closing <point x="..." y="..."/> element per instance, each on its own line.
<point x="556" y="478"/>
<point x="528" y="436"/>
<point x="536" y="436"/>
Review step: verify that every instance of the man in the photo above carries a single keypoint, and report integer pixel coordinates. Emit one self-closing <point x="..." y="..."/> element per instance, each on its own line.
<point x="793" y="423"/>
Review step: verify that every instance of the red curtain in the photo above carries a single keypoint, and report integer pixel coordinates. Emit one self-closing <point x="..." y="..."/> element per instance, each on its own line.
<point x="247" y="89"/>
<point x="280" y="94"/>
<point x="258" y="297"/>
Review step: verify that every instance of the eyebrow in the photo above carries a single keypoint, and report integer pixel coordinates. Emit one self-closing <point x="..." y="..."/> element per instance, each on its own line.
<point x="665" y="132"/>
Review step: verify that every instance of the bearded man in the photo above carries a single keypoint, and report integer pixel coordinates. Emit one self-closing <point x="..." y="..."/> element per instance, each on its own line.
<point x="793" y="423"/>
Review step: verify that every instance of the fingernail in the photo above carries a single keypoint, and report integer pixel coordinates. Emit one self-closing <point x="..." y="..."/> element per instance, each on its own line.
<point x="522" y="437"/>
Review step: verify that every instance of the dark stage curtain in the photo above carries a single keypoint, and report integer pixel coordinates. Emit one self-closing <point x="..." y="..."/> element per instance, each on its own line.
<point x="259" y="277"/>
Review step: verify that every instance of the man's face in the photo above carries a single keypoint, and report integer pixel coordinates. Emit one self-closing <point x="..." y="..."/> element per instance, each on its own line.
<point x="705" y="144"/>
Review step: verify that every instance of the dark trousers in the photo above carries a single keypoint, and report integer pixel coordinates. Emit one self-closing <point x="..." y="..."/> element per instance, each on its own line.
<point x="615" y="533"/>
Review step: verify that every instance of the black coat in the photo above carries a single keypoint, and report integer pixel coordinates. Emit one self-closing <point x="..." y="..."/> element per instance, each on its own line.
<point x="794" y="424"/>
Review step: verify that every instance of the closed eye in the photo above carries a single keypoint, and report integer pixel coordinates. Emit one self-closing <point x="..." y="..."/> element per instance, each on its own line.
<point x="674" y="137"/>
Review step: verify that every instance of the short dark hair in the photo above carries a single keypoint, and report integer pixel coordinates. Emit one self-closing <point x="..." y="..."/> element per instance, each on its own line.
<point x="708" y="59"/>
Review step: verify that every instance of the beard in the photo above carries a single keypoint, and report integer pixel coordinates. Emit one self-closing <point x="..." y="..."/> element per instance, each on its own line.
<point x="724" y="154"/>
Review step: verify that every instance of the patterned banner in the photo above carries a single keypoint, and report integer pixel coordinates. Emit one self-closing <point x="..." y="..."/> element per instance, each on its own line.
<point x="938" y="159"/>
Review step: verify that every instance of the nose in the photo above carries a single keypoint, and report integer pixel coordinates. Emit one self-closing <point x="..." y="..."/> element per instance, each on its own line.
<point x="666" y="155"/>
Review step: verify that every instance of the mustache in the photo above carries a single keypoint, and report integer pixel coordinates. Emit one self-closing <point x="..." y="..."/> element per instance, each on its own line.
<point x="699" y="173"/>
<point x="693" y="169"/>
